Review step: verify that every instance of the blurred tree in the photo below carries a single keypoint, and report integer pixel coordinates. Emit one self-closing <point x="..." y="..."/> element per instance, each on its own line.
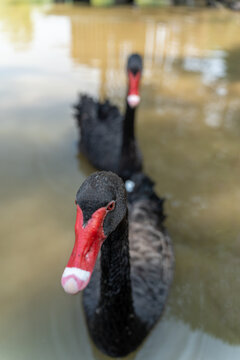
<point x="231" y="4"/>
<point x="103" y="2"/>
<point x="82" y="1"/>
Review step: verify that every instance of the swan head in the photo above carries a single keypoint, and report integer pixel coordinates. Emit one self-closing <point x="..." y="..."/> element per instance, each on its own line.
<point x="101" y="206"/>
<point x="134" y="70"/>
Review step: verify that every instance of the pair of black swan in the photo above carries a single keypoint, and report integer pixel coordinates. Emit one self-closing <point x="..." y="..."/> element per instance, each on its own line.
<point x="126" y="289"/>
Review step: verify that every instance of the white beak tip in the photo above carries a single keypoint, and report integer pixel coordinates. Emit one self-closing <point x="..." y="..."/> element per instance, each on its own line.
<point x="133" y="100"/>
<point x="74" y="280"/>
<point x="70" y="286"/>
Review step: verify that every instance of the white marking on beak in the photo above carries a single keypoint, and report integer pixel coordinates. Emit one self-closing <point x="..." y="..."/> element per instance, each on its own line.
<point x="74" y="279"/>
<point x="133" y="100"/>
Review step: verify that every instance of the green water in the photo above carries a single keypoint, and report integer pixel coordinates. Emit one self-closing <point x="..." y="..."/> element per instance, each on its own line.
<point x="189" y="130"/>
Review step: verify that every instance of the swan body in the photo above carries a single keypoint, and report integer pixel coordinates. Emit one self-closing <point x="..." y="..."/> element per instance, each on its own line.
<point x="107" y="136"/>
<point x="127" y="288"/>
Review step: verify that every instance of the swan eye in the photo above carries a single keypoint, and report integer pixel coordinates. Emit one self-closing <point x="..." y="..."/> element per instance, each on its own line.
<point x="75" y="202"/>
<point x="111" y="206"/>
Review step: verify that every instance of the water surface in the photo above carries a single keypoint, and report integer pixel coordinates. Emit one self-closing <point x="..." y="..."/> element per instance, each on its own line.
<point x="189" y="130"/>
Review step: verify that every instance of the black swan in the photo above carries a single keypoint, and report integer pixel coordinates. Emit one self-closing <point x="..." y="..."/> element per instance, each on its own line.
<point x="130" y="284"/>
<point x="107" y="137"/>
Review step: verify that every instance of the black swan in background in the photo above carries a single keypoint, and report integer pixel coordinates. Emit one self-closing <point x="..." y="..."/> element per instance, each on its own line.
<point x="126" y="294"/>
<point x="107" y="137"/>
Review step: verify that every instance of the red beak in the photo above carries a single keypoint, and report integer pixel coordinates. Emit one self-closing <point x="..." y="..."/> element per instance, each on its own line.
<point x="133" y="98"/>
<point x="88" y="241"/>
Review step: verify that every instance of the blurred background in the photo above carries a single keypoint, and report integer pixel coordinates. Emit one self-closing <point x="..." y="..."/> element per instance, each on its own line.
<point x="188" y="128"/>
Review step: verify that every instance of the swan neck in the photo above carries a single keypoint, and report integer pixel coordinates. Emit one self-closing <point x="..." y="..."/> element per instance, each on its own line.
<point x="117" y="328"/>
<point x="128" y="148"/>
<point x="128" y="125"/>
<point x="115" y="271"/>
